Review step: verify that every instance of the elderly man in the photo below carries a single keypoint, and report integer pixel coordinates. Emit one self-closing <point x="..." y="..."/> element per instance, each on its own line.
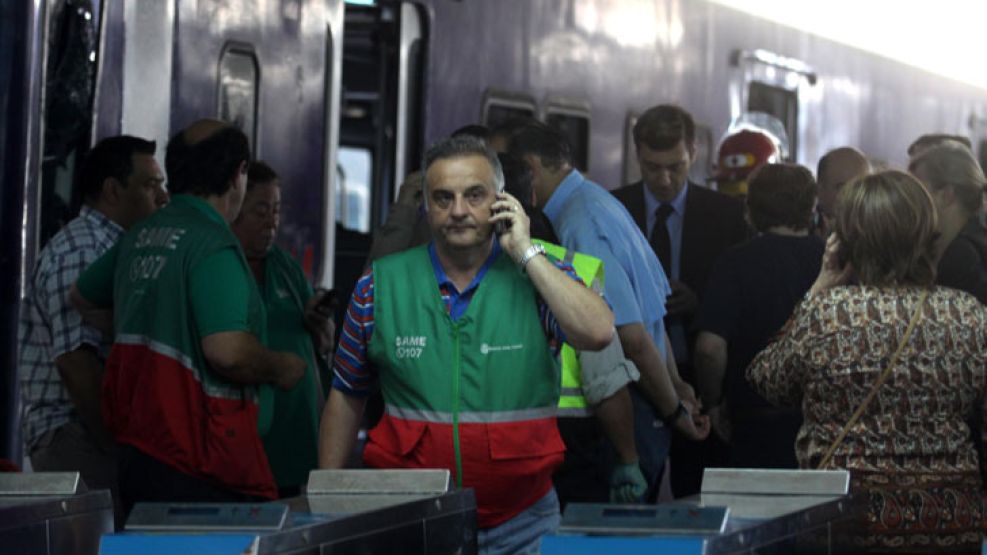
<point x="295" y="323"/>
<point x="180" y="391"/>
<point x="61" y="364"/>
<point x="460" y="335"/>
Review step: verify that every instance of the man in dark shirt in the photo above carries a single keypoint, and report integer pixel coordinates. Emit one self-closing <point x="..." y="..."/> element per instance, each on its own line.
<point x="751" y="293"/>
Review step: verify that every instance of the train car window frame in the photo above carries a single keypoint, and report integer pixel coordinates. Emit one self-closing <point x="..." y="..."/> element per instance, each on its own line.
<point x="704" y="160"/>
<point x="412" y="60"/>
<point x="769" y="73"/>
<point x="515" y="104"/>
<point x="575" y="112"/>
<point x="234" y="51"/>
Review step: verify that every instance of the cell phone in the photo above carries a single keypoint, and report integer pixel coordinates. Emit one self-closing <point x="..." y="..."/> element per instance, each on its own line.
<point x="327" y="303"/>
<point x="502" y="226"/>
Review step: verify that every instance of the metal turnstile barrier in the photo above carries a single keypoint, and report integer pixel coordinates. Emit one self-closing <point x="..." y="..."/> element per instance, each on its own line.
<point x="739" y="511"/>
<point x="342" y="512"/>
<point x="52" y="513"/>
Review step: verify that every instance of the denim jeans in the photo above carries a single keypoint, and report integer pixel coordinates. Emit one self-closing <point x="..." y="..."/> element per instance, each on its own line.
<point x="653" y="442"/>
<point x="522" y="534"/>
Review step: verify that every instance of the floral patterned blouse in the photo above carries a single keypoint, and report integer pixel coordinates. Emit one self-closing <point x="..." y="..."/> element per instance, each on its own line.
<point x="832" y="351"/>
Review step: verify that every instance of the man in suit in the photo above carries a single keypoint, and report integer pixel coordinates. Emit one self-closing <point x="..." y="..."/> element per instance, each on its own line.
<point x="688" y="227"/>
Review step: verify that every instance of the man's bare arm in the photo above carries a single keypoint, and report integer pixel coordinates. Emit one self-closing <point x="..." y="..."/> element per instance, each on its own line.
<point x="711" y="364"/>
<point x="82" y="375"/>
<point x="582" y="313"/>
<point x="338" y="428"/>
<point x="655" y="382"/>
<point x="239" y="357"/>
<point x="96" y="316"/>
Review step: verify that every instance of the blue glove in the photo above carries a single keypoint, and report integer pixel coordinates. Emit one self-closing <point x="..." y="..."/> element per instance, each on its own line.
<point x="627" y="483"/>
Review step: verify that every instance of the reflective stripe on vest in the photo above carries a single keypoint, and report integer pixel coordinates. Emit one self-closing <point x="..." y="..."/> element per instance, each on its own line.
<point x="572" y="403"/>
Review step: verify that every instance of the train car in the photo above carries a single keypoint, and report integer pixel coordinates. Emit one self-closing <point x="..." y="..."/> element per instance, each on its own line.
<point x="343" y="97"/>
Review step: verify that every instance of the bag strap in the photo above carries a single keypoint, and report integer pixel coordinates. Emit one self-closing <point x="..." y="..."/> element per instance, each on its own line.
<point x="877" y="385"/>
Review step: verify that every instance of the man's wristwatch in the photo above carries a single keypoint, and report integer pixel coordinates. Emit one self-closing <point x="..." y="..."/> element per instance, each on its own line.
<point x="529" y="253"/>
<point x="671" y="419"/>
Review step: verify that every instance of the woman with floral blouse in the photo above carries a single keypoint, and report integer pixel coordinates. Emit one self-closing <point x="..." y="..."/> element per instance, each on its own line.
<point x="911" y="453"/>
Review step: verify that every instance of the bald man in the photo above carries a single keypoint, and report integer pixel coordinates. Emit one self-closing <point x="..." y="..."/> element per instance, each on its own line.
<point x="187" y="367"/>
<point x="836" y="168"/>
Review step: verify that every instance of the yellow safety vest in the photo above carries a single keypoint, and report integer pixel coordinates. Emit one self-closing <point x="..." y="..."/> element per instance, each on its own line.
<point x="590" y="270"/>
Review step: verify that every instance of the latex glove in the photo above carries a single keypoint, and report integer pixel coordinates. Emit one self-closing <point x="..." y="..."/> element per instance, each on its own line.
<point x="627" y="483"/>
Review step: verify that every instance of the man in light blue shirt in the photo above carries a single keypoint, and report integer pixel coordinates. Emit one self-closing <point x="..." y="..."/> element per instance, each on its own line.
<point x="587" y="218"/>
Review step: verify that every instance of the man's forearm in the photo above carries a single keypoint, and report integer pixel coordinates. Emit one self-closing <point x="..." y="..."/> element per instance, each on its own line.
<point x="711" y="363"/>
<point x="616" y="417"/>
<point x="655" y="382"/>
<point x="82" y="375"/>
<point x="337" y="431"/>
<point x="239" y="357"/>
<point x="582" y="314"/>
<point x="98" y="317"/>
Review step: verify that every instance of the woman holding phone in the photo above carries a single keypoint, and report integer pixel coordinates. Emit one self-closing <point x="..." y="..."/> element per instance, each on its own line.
<point x="889" y="370"/>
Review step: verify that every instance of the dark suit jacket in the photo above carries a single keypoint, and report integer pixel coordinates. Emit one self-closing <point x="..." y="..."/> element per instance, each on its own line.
<point x="713" y="222"/>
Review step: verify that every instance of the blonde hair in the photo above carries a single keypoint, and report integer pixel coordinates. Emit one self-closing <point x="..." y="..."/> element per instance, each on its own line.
<point x="886" y="223"/>
<point x="952" y="164"/>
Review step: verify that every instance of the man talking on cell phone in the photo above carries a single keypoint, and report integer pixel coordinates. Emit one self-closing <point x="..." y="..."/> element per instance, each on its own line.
<point x="483" y="315"/>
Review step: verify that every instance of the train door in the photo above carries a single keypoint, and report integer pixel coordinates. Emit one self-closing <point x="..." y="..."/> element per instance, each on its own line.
<point x="380" y="128"/>
<point x="49" y="69"/>
<point x="771" y="84"/>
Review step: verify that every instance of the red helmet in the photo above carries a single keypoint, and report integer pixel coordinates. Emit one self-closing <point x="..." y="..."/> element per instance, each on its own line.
<point x="743" y="151"/>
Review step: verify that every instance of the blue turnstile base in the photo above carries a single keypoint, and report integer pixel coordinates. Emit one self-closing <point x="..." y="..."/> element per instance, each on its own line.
<point x="593" y="545"/>
<point x="162" y="544"/>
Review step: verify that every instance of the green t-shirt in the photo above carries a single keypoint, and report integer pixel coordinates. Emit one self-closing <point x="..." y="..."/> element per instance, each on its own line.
<point x="291" y="443"/>
<point x="217" y="285"/>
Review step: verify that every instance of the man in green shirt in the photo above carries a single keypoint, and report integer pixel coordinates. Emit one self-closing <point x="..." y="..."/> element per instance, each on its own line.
<point x="294" y="324"/>
<point x="180" y="390"/>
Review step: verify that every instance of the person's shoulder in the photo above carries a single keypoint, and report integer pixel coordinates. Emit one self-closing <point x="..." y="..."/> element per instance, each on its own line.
<point x="960" y="300"/>
<point x="714" y="200"/>
<point x="631" y="192"/>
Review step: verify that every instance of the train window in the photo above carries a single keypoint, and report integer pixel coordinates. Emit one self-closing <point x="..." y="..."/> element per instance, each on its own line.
<point x="573" y="124"/>
<point x="354" y="174"/>
<point x="238" y="80"/>
<point x="779" y="102"/>
<point x="70" y="73"/>
<point x="501" y="106"/>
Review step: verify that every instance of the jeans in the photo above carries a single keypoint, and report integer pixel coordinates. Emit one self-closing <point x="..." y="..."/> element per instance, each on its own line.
<point x="522" y="533"/>
<point x="653" y="442"/>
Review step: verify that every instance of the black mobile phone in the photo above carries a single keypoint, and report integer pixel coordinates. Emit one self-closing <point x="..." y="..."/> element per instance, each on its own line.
<point x="502" y="226"/>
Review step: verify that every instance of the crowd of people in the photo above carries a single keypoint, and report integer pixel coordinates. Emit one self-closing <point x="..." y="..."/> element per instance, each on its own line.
<point x="545" y="339"/>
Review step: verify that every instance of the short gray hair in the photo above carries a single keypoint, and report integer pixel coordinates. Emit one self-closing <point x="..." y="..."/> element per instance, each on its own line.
<point x="458" y="147"/>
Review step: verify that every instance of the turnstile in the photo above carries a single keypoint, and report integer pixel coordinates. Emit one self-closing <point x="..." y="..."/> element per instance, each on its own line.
<point x="342" y="512"/>
<point x="52" y="513"/>
<point x="739" y="511"/>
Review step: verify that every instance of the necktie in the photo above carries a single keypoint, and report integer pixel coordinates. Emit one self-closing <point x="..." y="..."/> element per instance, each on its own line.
<point x="660" y="240"/>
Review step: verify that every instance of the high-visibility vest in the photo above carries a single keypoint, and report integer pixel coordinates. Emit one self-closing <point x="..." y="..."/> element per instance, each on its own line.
<point x="572" y="403"/>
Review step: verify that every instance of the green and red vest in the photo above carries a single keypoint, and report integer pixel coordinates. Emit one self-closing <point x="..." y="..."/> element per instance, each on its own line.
<point x="159" y="393"/>
<point x="477" y="396"/>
